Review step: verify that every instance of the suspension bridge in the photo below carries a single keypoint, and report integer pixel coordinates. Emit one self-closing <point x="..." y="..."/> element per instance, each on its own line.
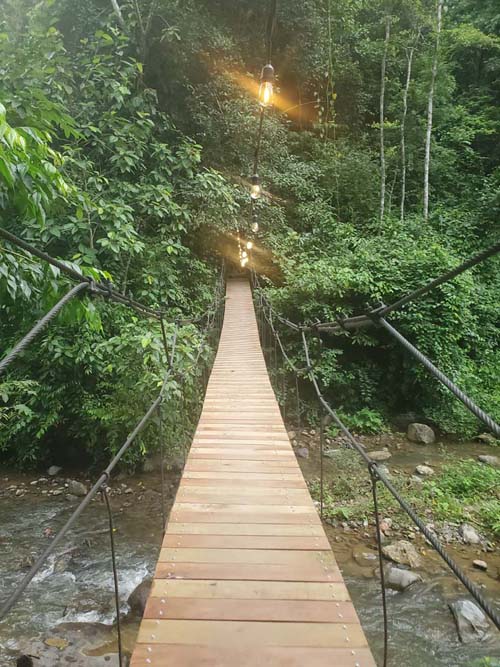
<point x="246" y="575"/>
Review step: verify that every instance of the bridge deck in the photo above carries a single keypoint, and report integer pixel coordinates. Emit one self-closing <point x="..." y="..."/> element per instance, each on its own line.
<point x="246" y="575"/>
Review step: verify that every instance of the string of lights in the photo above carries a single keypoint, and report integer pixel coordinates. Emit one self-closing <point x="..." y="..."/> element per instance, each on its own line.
<point x="266" y="95"/>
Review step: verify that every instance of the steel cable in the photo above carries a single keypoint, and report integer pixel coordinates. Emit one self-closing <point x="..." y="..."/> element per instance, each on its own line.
<point x="373" y="468"/>
<point x="41" y="324"/>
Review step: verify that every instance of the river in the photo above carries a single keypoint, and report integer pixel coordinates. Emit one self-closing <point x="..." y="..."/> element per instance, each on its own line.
<point x="76" y="585"/>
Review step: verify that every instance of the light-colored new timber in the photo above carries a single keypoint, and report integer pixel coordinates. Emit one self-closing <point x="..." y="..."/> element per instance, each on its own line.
<point x="246" y="576"/>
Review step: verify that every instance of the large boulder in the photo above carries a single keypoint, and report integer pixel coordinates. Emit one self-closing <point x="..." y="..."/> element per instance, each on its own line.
<point x="76" y="488"/>
<point x="421" y="433"/>
<point x="490" y="460"/>
<point x="424" y="471"/>
<point x="469" y="534"/>
<point x="400" y="579"/>
<point x="139" y="596"/>
<point x="472" y="624"/>
<point x="403" y="553"/>
<point x="380" y="455"/>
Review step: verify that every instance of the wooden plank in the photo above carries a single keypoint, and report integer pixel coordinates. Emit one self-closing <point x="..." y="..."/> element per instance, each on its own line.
<point x="164" y="655"/>
<point x="240" y="633"/>
<point x="248" y="556"/>
<point x="238" y="528"/>
<point x="285" y="611"/>
<point x="247" y="571"/>
<point x="250" y="590"/>
<point x="289" y="542"/>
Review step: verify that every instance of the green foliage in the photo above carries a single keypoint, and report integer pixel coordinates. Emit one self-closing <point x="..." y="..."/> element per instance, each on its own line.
<point x="465" y="490"/>
<point x="128" y="152"/>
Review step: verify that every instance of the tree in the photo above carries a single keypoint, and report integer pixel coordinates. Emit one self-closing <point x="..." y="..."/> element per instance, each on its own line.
<point x="430" y="109"/>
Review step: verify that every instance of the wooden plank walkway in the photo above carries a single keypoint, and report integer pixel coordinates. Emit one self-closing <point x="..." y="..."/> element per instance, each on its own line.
<point x="246" y="576"/>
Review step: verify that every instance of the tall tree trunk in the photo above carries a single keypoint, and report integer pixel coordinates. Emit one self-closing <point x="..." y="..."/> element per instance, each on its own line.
<point x="410" y="53"/>
<point x="119" y="15"/>
<point x="430" y="109"/>
<point x="382" y="117"/>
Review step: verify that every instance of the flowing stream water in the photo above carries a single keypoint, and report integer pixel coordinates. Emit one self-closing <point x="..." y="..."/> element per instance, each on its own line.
<point x="76" y="585"/>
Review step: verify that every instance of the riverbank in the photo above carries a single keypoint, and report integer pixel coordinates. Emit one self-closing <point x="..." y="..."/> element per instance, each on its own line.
<point x="68" y="611"/>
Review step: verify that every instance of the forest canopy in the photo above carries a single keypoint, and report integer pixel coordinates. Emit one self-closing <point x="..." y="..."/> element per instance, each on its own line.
<point x="127" y="131"/>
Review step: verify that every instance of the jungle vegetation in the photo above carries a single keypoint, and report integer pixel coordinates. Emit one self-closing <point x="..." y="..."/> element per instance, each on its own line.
<point x="127" y="130"/>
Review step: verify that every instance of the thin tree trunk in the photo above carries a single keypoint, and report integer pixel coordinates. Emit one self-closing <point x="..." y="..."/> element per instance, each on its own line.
<point x="410" y="53"/>
<point x="382" y="117"/>
<point x="430" y="110"/>
<point x="119" y="15"/>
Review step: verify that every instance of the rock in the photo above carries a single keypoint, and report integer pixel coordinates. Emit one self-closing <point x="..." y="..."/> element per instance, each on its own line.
<point x="424" y="471"/>
<point x="364" y="558"/>
<point x="384" y="470"/>
<point x="400" y="579"/>
<point x="151" y="495"/>
<point x="471" y="622"/>
<point x="57" y="492"/>
<point x="57" y="642"/>
<point x="53" y="471"/>
<point x="469" y="534"/>
<point x="420" y="433"/>
<point x="330" y="453"/>
<point x="403" y="553"/>
<point x="76" y="488"/>
<point x="292" y="435"/>
<point x="487" y="438"/>
<point x="480" y="565"/>
<point x="129" y="490"/>
<point x="19" y="492"/>
<point x="416" y="479"/>
<point x="303" y="452"/>
<point x="139" y="596"/>
<point x="149" y="465"/>
<point x="490" y="460"/>
<point x="382" y="455"/>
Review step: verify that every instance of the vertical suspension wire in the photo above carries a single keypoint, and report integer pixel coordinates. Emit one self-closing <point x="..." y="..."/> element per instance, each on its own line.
<point x="374" y="479"/>
<point x="321" y="464"/>
<point x="297" y="394"/>
<point x="162" y="470"/>
<point x="104" y="495"/>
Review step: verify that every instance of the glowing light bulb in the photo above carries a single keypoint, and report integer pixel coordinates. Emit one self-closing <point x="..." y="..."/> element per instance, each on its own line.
<point x="249" y="245"/>
<point x="266" y="90"/>
<point x="244" y="262"/>
<point x="244" y="254"/>
<point x="255" y="227"/>
<point x="255" y="190"/>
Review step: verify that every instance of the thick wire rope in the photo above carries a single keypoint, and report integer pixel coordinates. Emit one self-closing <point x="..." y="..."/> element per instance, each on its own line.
<point x="104" y="494"/>
<point x="363" y="321"/>
<point x="98" y="288"/>
<point x="455" y="390"/>
<point x="105" y="475"/>
<point x="103" y="478"/>
<point x="475" y="592"/>
<point x="374" y="478"/>
<point x="41" y="324"/>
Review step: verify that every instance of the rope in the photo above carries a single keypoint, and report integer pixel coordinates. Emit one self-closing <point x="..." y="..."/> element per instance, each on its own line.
<point x="105" y="497"/>
<point x="105" y="475"/>
<point x="271" y="25"/>
<point x="364" y="321"/>
<point x="374" y="477"/>
<point x="455" y="390"/>
<point x="41" y="324"/>
<point x="98" y="288"/>
<point x="372" y="466"/>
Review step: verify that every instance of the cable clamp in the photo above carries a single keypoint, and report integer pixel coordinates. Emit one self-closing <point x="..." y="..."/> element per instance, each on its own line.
<point x="375" y="313"/>
<point x="373" y="470"/>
